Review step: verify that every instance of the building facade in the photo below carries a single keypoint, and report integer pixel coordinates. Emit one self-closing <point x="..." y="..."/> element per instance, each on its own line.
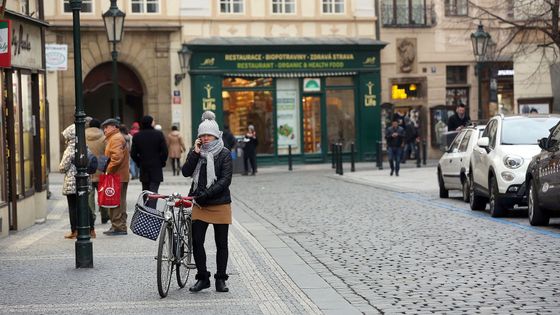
<point x="23" y="124"/>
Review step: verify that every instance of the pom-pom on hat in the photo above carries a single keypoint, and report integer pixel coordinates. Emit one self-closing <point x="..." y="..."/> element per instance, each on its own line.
<point x="208" y="115"/>
<point x="209" y="127"/>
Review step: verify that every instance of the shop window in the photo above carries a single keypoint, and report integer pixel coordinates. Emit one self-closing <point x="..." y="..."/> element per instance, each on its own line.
<point x="339" y="81"/>
<point x="333" y="6"/>
<point x="283" y="6"/>
<point x="247" y="82"/>
<point x="87" y="6"/>
<point x="144" y="6"/>
<point x="27" y="130"/>
<point x="456" y="96"/>
<point x="405" y="13"/>
<point x="17" y="132"/>
<point x="3" y="170"/>
<point x="244" y="107"/>
<point x="406" y="91"/>
<point x="340" y="117"/>
<point x="231" y="6"/>
<point x="456" y="74"/>
<point x="43" y="128"/>
<point x="311" y="124"/>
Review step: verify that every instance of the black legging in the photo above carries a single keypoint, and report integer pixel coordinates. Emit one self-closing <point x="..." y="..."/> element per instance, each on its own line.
<point x="73" y="212"/>
<point x="250" y="156"/>
<point x="176" y="168"/>
<point x="153" y="187"/>
<point x="221" y="237"/>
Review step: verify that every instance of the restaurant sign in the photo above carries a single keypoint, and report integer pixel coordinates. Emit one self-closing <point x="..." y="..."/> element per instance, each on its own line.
<point x="5" y="48"/>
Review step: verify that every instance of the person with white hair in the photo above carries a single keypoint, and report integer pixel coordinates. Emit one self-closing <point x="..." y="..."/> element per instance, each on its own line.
<point x="210" y="166"/>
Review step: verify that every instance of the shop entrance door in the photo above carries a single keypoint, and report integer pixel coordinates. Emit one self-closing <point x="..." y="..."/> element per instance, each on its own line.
<point x="312" y="135"/>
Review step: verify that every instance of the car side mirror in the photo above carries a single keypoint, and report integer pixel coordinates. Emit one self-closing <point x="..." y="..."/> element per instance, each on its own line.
<point x="483" y="142"/>
<point x="543" y="143"/>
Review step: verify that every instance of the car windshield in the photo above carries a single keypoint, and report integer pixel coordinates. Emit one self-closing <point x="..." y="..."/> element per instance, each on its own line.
<point x="526" y="131"/>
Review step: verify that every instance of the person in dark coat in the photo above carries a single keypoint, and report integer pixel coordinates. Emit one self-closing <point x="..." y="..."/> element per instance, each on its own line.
<point x="210" y="166"/>
<point x="250" y="150"/>
<point x="228" y="138"/>
<point x="394" y="135"/>
<point x="149" y="152"/>
<point x="459" y="120"/>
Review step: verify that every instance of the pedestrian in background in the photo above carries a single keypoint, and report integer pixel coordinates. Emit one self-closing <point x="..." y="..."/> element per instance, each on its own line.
<point x="210" y="166"/>
<point x="117" y="163"/>
<point x="176" y="147"/>
<point x="395" y="140"/>
<point x="411" y="140"/>
<point x="459" y="120"/>
<point x="228" y="138"/>
<point x="250" y="150"/>
<point x="134" y="170"/>
<point x="149" y="151"/>
<point x="95" y="140"/>
<point x="68" y="167"/>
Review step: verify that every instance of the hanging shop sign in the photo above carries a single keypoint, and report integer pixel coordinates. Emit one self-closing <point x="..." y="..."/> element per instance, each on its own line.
<point x="26" y="45"/>
<point x="56" y="57"/>
<point x="5" y="47"/>
<point x="312" y="85"/>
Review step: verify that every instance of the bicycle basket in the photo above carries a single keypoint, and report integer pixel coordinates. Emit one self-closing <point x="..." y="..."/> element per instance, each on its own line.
<point x="146" y="221"/>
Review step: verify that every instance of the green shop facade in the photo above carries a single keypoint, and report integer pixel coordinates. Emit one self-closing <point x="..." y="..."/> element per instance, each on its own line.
<point x="301" y="93"/>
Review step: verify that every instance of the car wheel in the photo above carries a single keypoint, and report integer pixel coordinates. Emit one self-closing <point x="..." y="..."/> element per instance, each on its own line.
<point x="466" y="189"/>
<point x="443" y="193"/>
<point x="536" y="214"/>
<point x="475" y="201"/>
<point x="497" y="208"/>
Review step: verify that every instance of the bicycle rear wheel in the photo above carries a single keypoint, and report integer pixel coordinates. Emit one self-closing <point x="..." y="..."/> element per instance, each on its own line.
<point x="165" y="259"/>
<point x="184" y="263"/>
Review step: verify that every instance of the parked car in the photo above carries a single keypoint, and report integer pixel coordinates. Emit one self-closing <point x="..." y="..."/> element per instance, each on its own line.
<point x="500" y="160"/>
<point x="543" y="180"/>
<point x="453" y="166"/>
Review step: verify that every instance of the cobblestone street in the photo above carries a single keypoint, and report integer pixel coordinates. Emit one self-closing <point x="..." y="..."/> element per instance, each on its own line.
<point x="400" y="248"/>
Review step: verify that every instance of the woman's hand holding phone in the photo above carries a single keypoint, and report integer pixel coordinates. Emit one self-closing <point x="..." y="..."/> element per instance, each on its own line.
<point x="197" y="145"/>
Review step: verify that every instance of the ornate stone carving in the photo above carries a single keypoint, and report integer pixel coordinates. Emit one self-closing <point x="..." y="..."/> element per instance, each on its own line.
<point x="406" y="55"/>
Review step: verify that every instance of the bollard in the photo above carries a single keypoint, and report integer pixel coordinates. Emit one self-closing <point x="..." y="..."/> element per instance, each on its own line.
<point x="417" y="151"/>
<point x="379" y="155"/>
<point x="289" y="157"/>
<point x="340" y="159"/>
<point x="352" y="166"/>
<point x="333" y="155"/>
<point x="337" y="166"/>
<point x="424" y="152"/>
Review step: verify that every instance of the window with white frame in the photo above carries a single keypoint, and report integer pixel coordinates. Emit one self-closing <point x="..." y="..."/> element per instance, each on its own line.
<point x="283" y="6"/>
<point x="87" y="6"/>
<point x="333" y="6"/>
<point x="231" y="6"/>
<point x="144" y="6"/>
<point x="456" y="7"/>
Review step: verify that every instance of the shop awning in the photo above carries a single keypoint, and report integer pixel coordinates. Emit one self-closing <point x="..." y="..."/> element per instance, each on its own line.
<point x="289" y="74"/>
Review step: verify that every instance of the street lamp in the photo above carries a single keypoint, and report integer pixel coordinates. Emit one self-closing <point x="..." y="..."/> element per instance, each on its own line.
<point x="480" y="40"/>
<point x="83" y="246"/>
<point x="184" y="57"/>
<point x="114" y="25"/>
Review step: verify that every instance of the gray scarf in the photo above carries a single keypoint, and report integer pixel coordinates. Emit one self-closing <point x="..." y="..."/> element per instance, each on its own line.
<point x="207" y="152"/>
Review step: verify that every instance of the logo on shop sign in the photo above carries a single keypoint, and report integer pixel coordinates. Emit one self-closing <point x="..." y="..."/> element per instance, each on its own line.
<point x="370" y="98"/>
<point x="369" y="61"/>
<point x="109" y="192"/>
<point x="208" y="102"/>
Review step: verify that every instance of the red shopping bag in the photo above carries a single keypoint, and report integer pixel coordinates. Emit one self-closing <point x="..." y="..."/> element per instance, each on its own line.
<point x="109" y="193"/>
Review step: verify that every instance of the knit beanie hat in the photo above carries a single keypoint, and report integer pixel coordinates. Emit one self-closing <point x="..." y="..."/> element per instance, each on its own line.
<point x="208" y="115"/>
<point x="209" y="127"/>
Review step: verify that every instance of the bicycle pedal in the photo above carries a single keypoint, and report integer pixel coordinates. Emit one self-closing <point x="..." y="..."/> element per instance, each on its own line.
<point x="191" y="266"/>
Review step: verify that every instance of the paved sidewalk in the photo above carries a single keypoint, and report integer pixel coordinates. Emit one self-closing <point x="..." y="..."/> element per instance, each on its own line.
<point x="38" y="272"/>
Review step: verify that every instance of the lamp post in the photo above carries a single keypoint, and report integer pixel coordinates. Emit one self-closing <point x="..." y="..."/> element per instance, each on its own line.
<point x="83" y="246"/>
<point x="480" y="40"/>
<point x="114" y="25"/>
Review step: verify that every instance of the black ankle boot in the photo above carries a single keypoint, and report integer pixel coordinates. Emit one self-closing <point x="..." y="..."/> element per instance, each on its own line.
<point x="202" y="283"/>
<point x="221" y="283"/>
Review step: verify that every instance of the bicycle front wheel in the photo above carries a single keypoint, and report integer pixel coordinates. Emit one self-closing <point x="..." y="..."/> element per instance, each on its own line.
<point x="165" y="259"/>
<point x="184" y="263"/>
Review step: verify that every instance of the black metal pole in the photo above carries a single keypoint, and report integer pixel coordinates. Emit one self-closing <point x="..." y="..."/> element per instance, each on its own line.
<point x="352" y="160"/>
<point x="337" y="159"/>
<point x="340" y="159"/>
<point x="114" y="55"/>
<point x="83" y="245"/>
<point x="379" y="155"/>
<point x="424" y="152"/>
<point x="289" y="157"/>
<point x="333" y="155"/>
<point x="479" y="76"/>
<point x="417" y="151"/>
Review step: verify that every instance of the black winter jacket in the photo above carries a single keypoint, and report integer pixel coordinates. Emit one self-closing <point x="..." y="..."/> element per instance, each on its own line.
<point x="218" y="193"/>
<point x="149" y="151"/>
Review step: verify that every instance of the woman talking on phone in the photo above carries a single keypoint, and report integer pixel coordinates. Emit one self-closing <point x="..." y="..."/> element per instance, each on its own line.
<point x="209" y="164"/>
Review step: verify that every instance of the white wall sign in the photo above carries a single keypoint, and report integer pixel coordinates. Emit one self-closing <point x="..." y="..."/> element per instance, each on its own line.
<point x="56" y="56"/>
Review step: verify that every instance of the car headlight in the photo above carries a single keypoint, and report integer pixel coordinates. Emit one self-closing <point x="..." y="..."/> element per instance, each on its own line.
<point x="513" y="161"/>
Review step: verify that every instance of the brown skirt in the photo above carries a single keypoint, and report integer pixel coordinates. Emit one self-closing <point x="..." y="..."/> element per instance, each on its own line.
<point x="214" y="214"/>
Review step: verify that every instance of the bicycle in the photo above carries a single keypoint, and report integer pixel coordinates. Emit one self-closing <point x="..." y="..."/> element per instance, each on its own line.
<point x="175" y="241"/>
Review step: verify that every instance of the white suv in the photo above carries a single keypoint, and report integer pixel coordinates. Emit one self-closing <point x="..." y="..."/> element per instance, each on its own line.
<point x="500" y="159"/>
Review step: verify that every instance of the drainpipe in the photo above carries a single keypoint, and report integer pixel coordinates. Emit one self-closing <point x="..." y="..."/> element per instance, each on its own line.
<point x="377" y="28"/>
